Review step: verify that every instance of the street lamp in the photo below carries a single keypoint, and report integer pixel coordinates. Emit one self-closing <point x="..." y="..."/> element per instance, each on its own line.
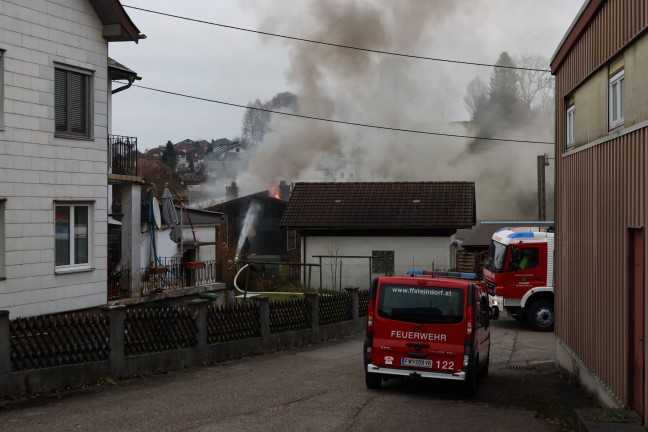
<point x="543" y="161"/>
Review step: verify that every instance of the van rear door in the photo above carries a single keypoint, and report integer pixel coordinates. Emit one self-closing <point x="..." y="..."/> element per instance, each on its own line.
<point x="421" y="326"/>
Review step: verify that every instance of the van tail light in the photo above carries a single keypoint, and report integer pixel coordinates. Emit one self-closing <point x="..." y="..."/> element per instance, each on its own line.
<point x="370" y="315"/>
<point x="470" y="323"/>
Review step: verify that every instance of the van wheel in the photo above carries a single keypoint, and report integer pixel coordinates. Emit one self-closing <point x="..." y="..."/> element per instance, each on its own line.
<point x="373" y="381"/>
<point x="484" y="371"/>
<point x="469" y="388"/>
<point x="540" y="316"/>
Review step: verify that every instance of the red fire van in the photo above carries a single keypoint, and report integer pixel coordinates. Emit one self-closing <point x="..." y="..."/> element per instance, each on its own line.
<point x="430" y="326"/>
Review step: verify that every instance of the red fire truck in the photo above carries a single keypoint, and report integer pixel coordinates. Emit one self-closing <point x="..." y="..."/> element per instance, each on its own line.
<point x="519" y="268"/>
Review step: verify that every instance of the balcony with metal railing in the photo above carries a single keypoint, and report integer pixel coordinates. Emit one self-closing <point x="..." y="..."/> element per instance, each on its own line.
<point x="122" y="155"/>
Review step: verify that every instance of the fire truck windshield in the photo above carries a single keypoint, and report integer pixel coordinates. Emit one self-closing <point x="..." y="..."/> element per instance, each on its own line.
<point x="496" y="255"/>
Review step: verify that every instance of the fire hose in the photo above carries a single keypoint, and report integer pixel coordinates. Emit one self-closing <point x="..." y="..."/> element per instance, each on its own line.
<point x="246" y="292"/>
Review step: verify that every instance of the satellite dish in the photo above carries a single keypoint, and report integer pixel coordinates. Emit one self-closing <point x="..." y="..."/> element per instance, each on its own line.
<point x="157" y="219"/>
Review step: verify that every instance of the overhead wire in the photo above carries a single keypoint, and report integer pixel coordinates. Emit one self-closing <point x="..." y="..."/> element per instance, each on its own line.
<point x="391" y="53"/>
<point x="366" y="125"/>
<point x="345" y="47"/>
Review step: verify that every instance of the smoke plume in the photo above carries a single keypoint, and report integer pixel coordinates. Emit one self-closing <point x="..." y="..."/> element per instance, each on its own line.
<point x="394" y="92"/>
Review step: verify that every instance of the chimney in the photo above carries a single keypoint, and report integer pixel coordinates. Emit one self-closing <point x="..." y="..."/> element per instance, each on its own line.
<point x="284" y="191"/>
<point x="231" y="192"/>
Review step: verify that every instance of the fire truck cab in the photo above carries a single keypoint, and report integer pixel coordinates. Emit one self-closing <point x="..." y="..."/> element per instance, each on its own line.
<point x="519" y="268"/>
<point x="428" y="325"/>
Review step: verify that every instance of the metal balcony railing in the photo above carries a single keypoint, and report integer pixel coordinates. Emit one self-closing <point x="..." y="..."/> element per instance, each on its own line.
<point x="122" y="155"/>
<point x="171" y="275"/>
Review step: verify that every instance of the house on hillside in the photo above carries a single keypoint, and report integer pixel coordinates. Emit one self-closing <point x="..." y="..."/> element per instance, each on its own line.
<point x="226" y="161"/>
<point x="154" y="153"/>
<point x="360" y="230"/>
<point x="58" y="153"/>
<point x="602" y="201"/>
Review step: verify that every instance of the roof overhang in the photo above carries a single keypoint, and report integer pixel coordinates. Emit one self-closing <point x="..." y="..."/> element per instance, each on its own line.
<point x="587" y="12"/>
<point x="117" y="25"/>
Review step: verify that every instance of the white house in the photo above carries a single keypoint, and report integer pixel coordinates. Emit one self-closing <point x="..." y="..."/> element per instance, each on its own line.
<point x="357" y="231"/>
<point x="54" y="126"/>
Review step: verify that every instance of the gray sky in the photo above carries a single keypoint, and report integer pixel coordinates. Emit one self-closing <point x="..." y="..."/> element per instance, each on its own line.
<point x="237" y="67"/>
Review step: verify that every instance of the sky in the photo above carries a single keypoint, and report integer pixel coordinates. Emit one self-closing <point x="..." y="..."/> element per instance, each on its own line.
<point x="238" y="67"/>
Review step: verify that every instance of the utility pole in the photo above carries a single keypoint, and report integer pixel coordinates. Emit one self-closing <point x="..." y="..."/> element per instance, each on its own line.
<point x="543" y="161"/>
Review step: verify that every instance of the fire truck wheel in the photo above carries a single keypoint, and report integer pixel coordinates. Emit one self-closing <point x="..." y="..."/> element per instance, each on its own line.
<point x="540" y="316"/>
<point x="373" y="381"/>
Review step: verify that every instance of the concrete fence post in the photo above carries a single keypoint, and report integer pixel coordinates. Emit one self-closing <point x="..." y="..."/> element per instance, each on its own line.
<point x="5" y="350"/>
<point x="198" y="310"/>
<point x="353" y="292"/>
<point x="116" y="320"/>
<point x="313" y="300"/>
<point x="263" y="305"/>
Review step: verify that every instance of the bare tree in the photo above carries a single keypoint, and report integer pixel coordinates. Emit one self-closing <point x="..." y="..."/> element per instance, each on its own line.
<point x="334" y="251"/>
<point x="536" y="86"/>
<point x="254" y="121"/>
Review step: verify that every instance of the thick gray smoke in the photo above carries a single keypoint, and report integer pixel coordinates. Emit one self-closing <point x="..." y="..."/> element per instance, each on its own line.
<point x="390" y="91"/>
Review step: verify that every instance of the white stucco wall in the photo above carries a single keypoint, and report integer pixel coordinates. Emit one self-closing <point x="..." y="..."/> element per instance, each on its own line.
<point x="409" y="252"/>
<point x="37" y="168"/>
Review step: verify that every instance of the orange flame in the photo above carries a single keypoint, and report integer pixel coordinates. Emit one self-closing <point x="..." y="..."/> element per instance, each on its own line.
<point x="274" y="191"/>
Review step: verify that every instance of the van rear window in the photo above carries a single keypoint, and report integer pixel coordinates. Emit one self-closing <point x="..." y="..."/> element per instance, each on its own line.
<point x="421" y="304"/>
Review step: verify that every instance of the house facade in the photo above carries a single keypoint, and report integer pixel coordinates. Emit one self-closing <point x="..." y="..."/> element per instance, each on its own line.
<point x="601" y="201"/>
<point x="54" y="127"/>
<point x="356" y="231"/>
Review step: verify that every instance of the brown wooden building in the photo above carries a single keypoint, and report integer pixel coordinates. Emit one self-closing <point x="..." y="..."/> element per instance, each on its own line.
<point x="601" y="69"/>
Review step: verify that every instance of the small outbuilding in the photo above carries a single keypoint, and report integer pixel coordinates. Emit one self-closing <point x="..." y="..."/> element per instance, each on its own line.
<point x="355" y="231"/>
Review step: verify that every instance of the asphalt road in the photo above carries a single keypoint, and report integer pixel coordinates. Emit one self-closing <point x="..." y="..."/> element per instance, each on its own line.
<point x="319" y="388"/>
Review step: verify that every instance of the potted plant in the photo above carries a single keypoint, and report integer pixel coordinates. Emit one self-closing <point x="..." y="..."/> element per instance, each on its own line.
<point x="194" y="265"/>
<point x="157" y="270"/>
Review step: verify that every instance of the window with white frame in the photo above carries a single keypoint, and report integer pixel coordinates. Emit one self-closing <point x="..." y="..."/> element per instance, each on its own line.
<point x="73" y="233"/>
<point x="570" y="126"/>
<point x="72" y="102"/>
<point x="616" y="99"/>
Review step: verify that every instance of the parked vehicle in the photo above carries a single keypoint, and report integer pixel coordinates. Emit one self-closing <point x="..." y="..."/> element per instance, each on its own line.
<point x="433" y="325"/>
<point x="519" y="268"/>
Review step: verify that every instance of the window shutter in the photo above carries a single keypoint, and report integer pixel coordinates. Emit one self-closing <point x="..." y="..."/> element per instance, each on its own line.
<point x="60" y="84"/>
<point x="78" y="103"/>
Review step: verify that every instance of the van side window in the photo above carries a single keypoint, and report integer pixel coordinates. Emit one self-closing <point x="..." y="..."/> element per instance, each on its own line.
<point x="479" y="317"/>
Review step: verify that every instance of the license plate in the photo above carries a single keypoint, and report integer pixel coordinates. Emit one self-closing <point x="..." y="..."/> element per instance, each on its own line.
<point x="416" y="362"/>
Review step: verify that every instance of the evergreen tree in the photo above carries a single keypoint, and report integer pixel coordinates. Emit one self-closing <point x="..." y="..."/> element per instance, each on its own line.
<point x="168" y="157"/>
<point x="503" y="91"/>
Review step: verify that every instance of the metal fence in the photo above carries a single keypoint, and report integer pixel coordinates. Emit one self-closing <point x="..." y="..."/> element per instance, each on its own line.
<point x="149" y="330"/>
<point x="171" y="275"/>
<point x="122" y="155"/>
<point x="230" y="323"/>
<point x="81" y="337"/>
<point x="289" y="315"/>
<point x="55" y="340"/>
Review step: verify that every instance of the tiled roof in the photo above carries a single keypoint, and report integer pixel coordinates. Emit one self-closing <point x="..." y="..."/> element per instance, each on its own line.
<point x="384" y="205"/>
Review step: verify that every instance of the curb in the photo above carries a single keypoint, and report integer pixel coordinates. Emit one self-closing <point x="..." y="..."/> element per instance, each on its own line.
<point x="594" y="420"/>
